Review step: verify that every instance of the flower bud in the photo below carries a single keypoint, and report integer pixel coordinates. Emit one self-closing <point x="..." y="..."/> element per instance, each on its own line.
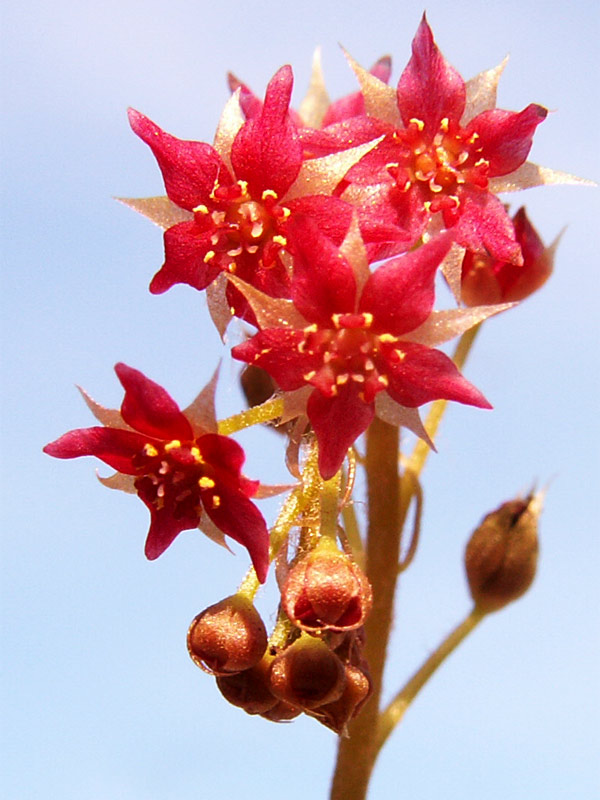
<point x="337" y="715"/>
<point x="501" y="556"/>
<point x="258" y="386"/>
<point x="327" y="590"/>
<point x="282" y="712"/>
<point x="307" y="674"/>
<point x="249" y="689"/>
<point x="227" y="637"/>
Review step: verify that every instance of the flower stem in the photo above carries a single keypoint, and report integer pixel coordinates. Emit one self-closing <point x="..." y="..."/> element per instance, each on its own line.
<point x="253" y="416"/>
<point x="357" y="754"/>
<point x="394" y="712"/>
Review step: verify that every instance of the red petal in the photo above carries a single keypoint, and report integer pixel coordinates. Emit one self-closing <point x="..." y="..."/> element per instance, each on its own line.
<point x="332" y="215"/>
<point x="185" y="248"/>
<point x="276" y="351"/>
<point x="148" y="408"/>
<point x="506" y="136"/>
<point x="222" y="452"/>
<point x="484" y="227"/>
<point x="239" y="518"/>
<point x="338" y="422"/>
<point x="429" y="89"/>
<point x="115" y="447"/>
<point x="400" y="294"/>
<point x="266" y="152"/>
<point x="164" y="527"/>
<point x="323" y="283"/>
<point x="353" y="105"/>
<point x="422" y="374"/>
<point x="341" y="136"/>
<point x="190" y="169"/>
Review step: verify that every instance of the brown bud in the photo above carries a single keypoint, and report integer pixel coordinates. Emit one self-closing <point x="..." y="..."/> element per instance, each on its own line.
<point x="257" y="385"/>
<point x="227" y="637"/>
<point x="282" y="712"/>
<point x="307" y="674"/>
<point x="327" y="590"/>
<point x="337" y="715"/>
<point x="249" y="689"/>
<point x="501" y="556"/>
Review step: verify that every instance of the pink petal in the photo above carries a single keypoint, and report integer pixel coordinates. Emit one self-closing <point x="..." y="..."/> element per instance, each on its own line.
<point x="332" y="215"/>
<point x="266" y="152"/>
<point x="353" y="105"/>
<point x="429" y="89"/>
<point x="116" y="448"/>
<point x="338" y="421"/>
<point x="185" y="249"/>
<point x="323" y="283"/>
<point x="149" y="409"/>
<point x="400" y="293"/>
<point x="190" y="169"/>
<point x="419" y="374"/>
<point x="341" y="136"/>
<point x="506" y="136"/>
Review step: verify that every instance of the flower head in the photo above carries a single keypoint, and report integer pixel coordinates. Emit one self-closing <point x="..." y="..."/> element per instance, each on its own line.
<point x="186" y="476"/>
<point x="351" y="340"/>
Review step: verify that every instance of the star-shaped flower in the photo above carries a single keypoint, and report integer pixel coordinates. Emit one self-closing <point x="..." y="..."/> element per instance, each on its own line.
<point x="229" y="205"/>
<point x="351" y="336"/>
<point x="187" y="475"/>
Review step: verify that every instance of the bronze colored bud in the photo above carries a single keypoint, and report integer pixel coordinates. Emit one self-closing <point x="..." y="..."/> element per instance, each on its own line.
<point x="249" y="689"/>
<point x="257" y="385"/>
<point x="501" y="556"/>
<point x="337" y="715"/>
<point x="307" y="674"/>
<point x="227" y="637"/>
<point x="282" y="712"/>
<point x="327" y="590"/>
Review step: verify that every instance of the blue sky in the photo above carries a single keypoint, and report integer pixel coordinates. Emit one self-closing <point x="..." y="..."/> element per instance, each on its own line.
<point x="101" y="700"/>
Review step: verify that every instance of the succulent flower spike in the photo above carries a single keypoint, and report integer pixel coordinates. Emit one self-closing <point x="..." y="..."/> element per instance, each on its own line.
<point x="187" y="476"/>
<point x="228" y="206"/>
<point x="352" y="336"/>
<point x="487" y="280"/>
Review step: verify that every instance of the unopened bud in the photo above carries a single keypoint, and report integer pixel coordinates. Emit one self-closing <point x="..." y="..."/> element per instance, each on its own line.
<point x="337" y="715"/>
<point x="249" y="689"/>
<point x="307" y="674"/>
<point x="327" y="590"/>
<point x="227" y="637"/>
<point x="501" y="556"/>
<point x="282" y="712"/>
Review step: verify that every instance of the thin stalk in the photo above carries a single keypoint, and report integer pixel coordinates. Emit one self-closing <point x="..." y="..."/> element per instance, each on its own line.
<point x="394" y="712"/>
<point x="253" y="416"/>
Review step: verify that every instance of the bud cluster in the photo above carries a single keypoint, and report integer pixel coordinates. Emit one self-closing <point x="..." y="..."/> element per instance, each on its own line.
<point x="313" y="662"/>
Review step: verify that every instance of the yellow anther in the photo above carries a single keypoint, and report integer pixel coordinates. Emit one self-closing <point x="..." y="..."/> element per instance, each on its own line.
<point x="150" y="450"/>
<point x="368" y="318"/>
<point x="243" y="186"/>
<point x="206" y="483"/>
<point x="336" y="318"/>
<point x="172" y="445"/>
<point x="278" y="239"/>
<point x="387" y="337"/>
<point x="392" y="165"/>
<point x="201" y="209"/>
<point x="444" y="124"/>
<point x="309" y="375"/>
<point x="310" y="328"/>
<point x="358" y="378"/>
<point x="196" y="455"/>
<point x="216" y="501"/>
<point x="418" y="122"/>
<point x="383" y="380"/>
<point x="285" y="211"/>
<point x="342" y="379"/>
<point x="269" y="193"/>
<point x="401" y="354"/>
<point x="208" y="256"/>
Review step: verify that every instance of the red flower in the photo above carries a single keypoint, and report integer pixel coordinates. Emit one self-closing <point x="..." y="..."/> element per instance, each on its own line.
<point x="183" y="473"/>
<point x="232" y="201"/>
<point x="487" y="280"/>
<point x="352" y="343"/>
<point x="442" y="153"/>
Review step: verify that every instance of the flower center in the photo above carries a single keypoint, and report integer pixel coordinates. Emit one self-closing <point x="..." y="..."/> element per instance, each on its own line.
<point x="349" y="352"/>
<point x="241" y="225"/>
<point x="175" y="475"/>
<point x="439" y="165"/>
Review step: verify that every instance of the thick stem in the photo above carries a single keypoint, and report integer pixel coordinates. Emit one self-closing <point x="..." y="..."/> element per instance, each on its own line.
<point x="357" y="754"/>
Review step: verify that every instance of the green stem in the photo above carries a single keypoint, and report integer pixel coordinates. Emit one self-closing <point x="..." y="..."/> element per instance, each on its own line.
<point x="394" y="712"/>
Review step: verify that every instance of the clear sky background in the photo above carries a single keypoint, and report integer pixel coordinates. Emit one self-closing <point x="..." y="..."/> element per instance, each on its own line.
<point x="101" y="701"/>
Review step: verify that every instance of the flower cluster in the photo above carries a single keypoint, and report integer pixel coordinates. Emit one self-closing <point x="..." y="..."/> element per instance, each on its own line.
<point x="323" y="230"/>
